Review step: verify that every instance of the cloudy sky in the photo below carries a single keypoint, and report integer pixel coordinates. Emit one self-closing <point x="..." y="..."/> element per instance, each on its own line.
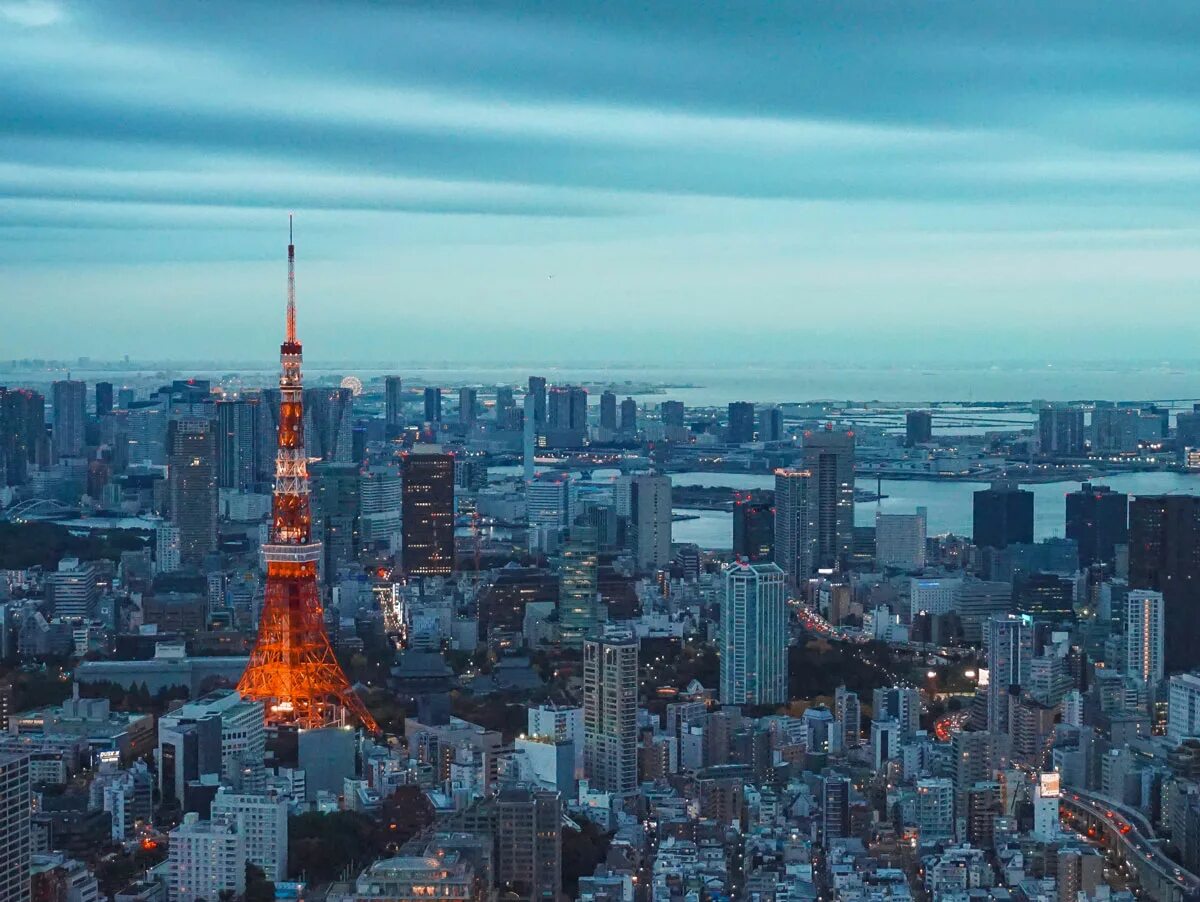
<point x="569" y="180"/>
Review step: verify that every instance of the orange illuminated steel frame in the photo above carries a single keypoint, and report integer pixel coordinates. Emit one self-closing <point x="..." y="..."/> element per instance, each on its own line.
<point x="292" y="669"/>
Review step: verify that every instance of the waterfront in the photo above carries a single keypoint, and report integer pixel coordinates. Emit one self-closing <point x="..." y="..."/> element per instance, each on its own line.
<point x="948" y="503"/>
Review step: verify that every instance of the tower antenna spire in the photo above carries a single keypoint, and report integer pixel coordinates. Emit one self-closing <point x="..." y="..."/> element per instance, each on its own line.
<point x="291" y="297"/>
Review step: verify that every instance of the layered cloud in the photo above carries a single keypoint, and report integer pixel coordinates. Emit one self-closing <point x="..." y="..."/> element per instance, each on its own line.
<point x="916" y="166"/>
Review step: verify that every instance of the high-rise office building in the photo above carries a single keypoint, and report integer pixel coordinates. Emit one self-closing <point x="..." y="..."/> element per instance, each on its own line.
<point x="1009" y="654"/>
<point x="468" y="403"/>
<point x="505" y="404"/>
<point x="795" y="524"/>
<point x="22" y="432"/>
<point x="329" y="423"/>
<point x="381" y="507"/>
<point x="192" y="487"/>
<point x="918" y="428"/>
<point x="754" y="635"/>
<point x="1144" y="624"/>
<point x="238" y="444"/>
<point x="650" y="520"/>
<point x="610" y="700"/>
<point x="1061" y="431"/>
<point x="264" y="821"/>
<point x="629" y="409"/>
<point x="1098" y="521"/>
<point x="428" y="515"/>
<point x="73" y="590"/>
<point x="335" y="498"/>
<point x="828" y="456"/>
<point x="741" y="422"/>
<point x="770" y="425"/>
<point x="580" y="613"/>
<point x="672" y="414"/>
<point x="566" y="411"/>
<point x="753" y="526"/>
<point x="537" y="390"/>
<point x="608" y="410"/>
<point x="104" y="398"/>
<point x="433" y="404"/>
<point x="70" y="414"/>
<point x="16" y="832"/>
<point x="1003" y="516"/>
<point x="393" y="405"/>
<point x="1045" y="597"/>
<point x="900" y="540"/>
<point x="1164" y="555"/>
<point x="548" y="500"/>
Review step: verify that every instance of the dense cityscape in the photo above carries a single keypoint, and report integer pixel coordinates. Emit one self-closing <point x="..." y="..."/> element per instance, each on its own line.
<point x="373" y="641"/>
<point x="670" y="451"/>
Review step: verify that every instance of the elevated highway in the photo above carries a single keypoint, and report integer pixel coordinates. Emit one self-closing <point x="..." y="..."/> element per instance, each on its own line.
<point x="1127" y="833"/>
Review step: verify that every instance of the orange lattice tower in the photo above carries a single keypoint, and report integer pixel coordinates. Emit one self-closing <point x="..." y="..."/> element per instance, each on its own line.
<point x="292" y="669"/>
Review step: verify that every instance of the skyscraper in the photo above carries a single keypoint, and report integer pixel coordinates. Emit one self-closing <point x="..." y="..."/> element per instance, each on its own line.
<point x="754" y="635"/>
<point x="829" y="457"/>
<point x="1098" y="521"/>
<point x="1009" y="653"/>
<point x="70" y="413"/>
<point x="610" y="698"/>
<point x="650" y="520"/>
<point x="1060" y="431"/>
<point x="428" y="513"/>
<point x="629" y="416"/>
<point x="1003" y="516"/>
<point x="104" y="398"/>
<point x="795" y="526"/>
<point x="238" y="444"/>
<point x="1144" y="624"/>
<point x="580" y="613"/>
<point x="1164" y="555"/>
<point x="918" y="428"/>
<point x="335" y="497"/>
<point x="192" y="487"/>
<point x="566" y="410"/>
<point x="393" y="405"/>
<point x="468" y="399"/>
<point x="22" y="431"/>
<point x="329" y="423"/>
<point x="433" y="404"/>
<point x="753" y="526"/>
<point x="741" y="422"/>
<point x="672" y="414"/>
<point x="608" y="411"/>
<point x="537" y="390"/>
<point x="16" y="835"/>
<point x="770" y="424"/>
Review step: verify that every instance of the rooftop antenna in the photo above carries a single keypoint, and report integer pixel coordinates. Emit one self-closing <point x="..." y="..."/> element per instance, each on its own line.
<point x="291" y="307"/>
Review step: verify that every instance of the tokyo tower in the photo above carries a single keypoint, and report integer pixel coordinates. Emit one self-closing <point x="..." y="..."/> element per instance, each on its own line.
<point x="292" y="669"/>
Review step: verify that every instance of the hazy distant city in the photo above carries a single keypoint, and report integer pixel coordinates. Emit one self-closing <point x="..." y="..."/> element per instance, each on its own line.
<point x="626" y="452"/>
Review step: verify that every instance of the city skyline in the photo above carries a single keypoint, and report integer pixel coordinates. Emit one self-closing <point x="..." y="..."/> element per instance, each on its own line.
<point x="554" y="177"/>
